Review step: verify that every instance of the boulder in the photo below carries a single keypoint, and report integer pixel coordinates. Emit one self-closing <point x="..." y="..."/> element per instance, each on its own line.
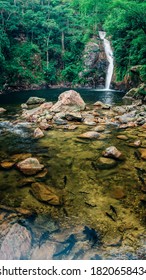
<point x="35" y="100"/>
<point x="59" y="121"/>
<point x="38" y="133"/>
<point x="2" y="110"/>
<point x="106" y="163"/>
<point x="90" y="135"/>
<point x="46" y="105"/>
<point x="99" y="128"/>
<point x="112" y="152"/>
<point x="44" y="125"/>
<point x="16" y="244"/>
<point x="24" y="106"/>
<point x="69" y="101"/>
<point x="98" y="104"/>
<point x="130" y="117"/>
<point x="45" y="194"/>
<point x="75" y="116"/>
<point x="30" y="166"/>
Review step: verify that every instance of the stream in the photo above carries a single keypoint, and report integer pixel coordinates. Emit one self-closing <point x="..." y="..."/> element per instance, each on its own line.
<point x="103" y="214"/>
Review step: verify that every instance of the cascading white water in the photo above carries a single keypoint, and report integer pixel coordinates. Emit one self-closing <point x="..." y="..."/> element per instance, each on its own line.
<point x="109" y="55"/>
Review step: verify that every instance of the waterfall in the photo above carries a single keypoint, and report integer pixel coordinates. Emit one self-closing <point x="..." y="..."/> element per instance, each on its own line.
<point x="109" y="55"/>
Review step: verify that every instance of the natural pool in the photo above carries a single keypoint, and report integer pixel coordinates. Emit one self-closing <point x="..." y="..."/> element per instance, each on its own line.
<point x="103" y="213"/>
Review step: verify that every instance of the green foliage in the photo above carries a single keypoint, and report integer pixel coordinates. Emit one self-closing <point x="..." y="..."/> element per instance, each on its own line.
<point x="143" y="72"/>
<point x="43" y="40"/>
<point x="126" y="24"/>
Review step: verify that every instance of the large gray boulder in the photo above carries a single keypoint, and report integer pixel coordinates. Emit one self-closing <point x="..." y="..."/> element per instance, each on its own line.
<point x="69" y="101"/>
<point x="35" y="100"/>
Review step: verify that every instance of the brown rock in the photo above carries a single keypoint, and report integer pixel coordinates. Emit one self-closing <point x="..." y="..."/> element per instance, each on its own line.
<point x="46" y="105"/>
<point x="118" y="193"/>
<point x="7" y="164"/>
<point x="30" y="166"/>
<point x="26" y="181"/>
<point x="90" y="135"/>
<point x="18" y="157"/>
<point x="45" y="194"/>
<point x="106" y="163"/>
<point x="42" y="174"/>
<point x="144" y="126"/>
<point x="122" y="137"/>
<point x="44" y="125"/>
<point x="70" y="127"/>
<point x="143" y="153"/>
<point x="99" y="128"/>
<point x="112" y="152"/>
<point x="16" y="244"/>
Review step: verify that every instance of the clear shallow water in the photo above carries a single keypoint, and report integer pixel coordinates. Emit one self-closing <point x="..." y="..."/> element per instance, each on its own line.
<point x="88" y="193"/>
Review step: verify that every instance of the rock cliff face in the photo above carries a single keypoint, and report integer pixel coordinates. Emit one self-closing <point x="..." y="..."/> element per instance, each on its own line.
<point x="133" y="81"/>
<point x="94" y="65"/>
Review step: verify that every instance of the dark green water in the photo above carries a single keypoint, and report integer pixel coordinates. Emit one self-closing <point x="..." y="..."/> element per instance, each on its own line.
<point x="89" y="192"/>
<point x="89" y="96"/>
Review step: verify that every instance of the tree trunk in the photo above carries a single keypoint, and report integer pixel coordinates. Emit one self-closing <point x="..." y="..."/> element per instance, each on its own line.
<point x="62" y="42"/>
<point x="47" y="54"/>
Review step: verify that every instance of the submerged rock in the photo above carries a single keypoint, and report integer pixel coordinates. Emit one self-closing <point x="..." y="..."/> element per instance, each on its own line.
<point x="112" y="152"/>
<point x="90" y="135"/>
<point x="30" y="166"/>
<point x="106" y="163"/>
<point x="69" y="101"/>
<point x="143" y="153"/>
<point x="118" y="193"/>
<point x="35" y="100"/>
<point x="16" y="244"/>
<point x="45" y="194"/>
<point x="122" y="137"/>
<point x="44" y="252"/>
<point x="7" y="164"/>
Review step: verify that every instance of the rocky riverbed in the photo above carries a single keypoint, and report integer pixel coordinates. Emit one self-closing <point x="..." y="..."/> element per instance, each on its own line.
<point x="73" y="180"/>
